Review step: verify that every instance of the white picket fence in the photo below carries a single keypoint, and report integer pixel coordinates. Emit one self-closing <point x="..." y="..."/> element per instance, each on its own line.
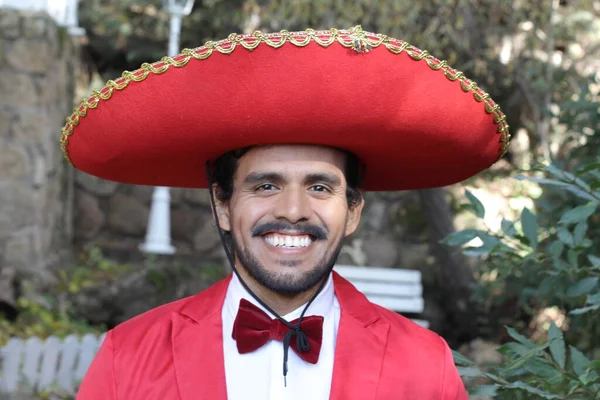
<point x="34" y="364"/>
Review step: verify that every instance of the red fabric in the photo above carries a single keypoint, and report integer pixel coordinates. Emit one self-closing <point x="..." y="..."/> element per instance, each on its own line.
<point x="175" y="352"/>
<point x="253" y="328"/>
<point x="411" y="125"/>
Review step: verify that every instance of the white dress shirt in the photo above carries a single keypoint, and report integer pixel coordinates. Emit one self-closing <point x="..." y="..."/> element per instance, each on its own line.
<point x="259" y="374"/>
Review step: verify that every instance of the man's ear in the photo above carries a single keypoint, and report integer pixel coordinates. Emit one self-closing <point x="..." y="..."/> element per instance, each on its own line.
<point x="222" y="210"/>
<point x="354" y="215"/>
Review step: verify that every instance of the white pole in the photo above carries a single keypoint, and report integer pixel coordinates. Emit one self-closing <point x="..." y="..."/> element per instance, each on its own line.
<point x="158" y="237"/>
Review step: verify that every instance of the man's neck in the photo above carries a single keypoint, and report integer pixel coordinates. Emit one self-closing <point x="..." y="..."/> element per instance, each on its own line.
<point x="281" y="304"/>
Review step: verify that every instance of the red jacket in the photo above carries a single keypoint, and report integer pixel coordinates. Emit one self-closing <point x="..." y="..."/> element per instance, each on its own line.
<point x="175" y="352"/>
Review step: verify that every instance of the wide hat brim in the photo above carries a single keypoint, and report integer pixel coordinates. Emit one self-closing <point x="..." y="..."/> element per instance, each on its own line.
<point x="411" y="119"/>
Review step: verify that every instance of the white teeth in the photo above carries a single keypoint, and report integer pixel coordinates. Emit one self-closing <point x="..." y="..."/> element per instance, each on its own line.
<point x="288" y="241"/>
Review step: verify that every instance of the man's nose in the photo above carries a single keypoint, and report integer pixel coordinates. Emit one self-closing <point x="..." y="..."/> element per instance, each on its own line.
<point x="293" y="204"/>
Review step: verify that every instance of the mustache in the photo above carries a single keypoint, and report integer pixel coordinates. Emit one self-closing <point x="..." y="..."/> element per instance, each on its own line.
<point x="315" y="231"/>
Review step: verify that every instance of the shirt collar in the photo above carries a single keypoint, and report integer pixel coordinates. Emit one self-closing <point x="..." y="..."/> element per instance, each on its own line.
<point x="322" y="304"/>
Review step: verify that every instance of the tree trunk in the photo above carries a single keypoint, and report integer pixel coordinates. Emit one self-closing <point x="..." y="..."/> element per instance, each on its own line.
<point x="454" y="275"/>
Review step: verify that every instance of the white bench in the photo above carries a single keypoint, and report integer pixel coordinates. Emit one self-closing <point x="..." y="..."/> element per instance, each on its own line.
<point x="398" y="290"/>
<point x="63" y="363"/>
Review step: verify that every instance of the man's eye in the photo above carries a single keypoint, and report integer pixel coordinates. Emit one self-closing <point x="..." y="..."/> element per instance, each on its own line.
<point x="265" y="187"/>
<point x="319" y="188"/>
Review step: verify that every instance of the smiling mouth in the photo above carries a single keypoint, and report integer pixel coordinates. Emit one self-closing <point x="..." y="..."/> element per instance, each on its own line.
<point x="288" y="241"/>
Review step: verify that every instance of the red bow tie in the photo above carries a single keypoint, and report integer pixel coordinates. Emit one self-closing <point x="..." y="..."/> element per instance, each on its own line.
<point x="253" y="328"/>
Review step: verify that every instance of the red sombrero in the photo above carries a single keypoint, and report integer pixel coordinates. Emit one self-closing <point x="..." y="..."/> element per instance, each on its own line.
<point x="412" y="120"/>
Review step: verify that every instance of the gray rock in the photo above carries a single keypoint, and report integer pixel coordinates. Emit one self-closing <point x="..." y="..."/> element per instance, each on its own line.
<point x="35" y="26"/>
<point x="8" y="295"/>
<point x="142" y="193"/>
<point x="197" y="196"/>
<point x="89" y="218"/>
<point x="184" y="223"/>
<point x="18" y="251"/>
<point x="127" y="215"/>
<point x="207" y="237"/>
<point x="18" y="207"/>
<point x="14" y="162"/>
<point x="5" y="119"/>
<point x="33" y="56"/>
<point x="32" y="128"/>
<point x="17" y="82"/>
<point x="10" y="23"/>
<point x="375" y="216"/>
<point x="95" y="185"/>
<point x="381" y="251"/>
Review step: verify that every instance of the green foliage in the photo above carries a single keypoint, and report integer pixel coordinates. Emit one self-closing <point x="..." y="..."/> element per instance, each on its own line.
<point x="547" y="258"/>
<point x="52" y="313"/>
<point x="533" y="371"/>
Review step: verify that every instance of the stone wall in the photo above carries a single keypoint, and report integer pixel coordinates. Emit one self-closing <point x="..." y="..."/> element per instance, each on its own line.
<point x="115" y="217"/>
<point x="37" y="64"/>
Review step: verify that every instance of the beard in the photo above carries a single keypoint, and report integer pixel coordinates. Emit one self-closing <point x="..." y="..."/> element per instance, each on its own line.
<point x="283" y="283"/>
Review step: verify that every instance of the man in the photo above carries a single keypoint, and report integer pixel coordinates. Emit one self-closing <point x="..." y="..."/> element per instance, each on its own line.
<point x="289" y="128"/>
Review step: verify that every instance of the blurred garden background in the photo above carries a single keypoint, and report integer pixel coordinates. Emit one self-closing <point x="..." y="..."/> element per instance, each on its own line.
<point x="510" y="258"/>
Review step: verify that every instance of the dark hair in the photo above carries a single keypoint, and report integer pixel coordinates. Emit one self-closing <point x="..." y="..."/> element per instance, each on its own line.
<point x="225" y="166"/>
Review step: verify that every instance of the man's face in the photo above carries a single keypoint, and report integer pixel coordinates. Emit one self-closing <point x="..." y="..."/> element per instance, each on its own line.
<point x="289" y="214"/>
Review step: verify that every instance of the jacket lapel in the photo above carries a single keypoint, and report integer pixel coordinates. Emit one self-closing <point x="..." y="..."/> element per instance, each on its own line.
<point x="361" y="343"/>
<point x="197" y="338"/>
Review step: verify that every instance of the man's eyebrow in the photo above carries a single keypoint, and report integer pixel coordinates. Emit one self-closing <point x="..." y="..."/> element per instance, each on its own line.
<point x="323" y="177"/>
<point x="258" y="177"/>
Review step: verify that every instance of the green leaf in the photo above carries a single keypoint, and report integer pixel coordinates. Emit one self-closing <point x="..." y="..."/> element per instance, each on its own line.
<point x="587" y="168"/>
<point x="594" y="365"/>
<point x="478" y="207"/>
<point x="594" y="260"/>
<point x="583" y="310"/>
<point x="530" y="389"/>
<point x="556" y="249"/>
<point x="593" y="298"/>
<point x="579" y="233"/>
<point x="578" y="360"/>
<point x="542" y="368"/>
<point x="573" y="257"/>
<point x="543" y="181"/>
<point x="530" y="228"/>
<point x="459" y="359"/>
<point x="567" y="186"/>
<point x="484" y="390"/>
<point x="584" y="286"/>
<point x="524" y="359"/>
<point x="557" y="345"/>
<point x="512" y="349"/>
<point x="547" y="286"/>
<point x="470" y="372"/>
<point x="508" y="227"/>
<point x="490" y="243"/>
<point x="461" y="237"/>
<point x="578" y="214"/>
<point x="565" y="236"/>
<point x="520" y="338"/>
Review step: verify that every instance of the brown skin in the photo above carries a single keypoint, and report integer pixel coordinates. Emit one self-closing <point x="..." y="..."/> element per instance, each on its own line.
<point x="298" y="185"/>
